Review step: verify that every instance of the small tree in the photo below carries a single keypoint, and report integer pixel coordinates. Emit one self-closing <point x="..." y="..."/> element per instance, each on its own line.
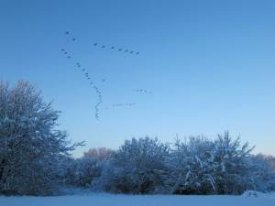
<point x="30" y="144"/>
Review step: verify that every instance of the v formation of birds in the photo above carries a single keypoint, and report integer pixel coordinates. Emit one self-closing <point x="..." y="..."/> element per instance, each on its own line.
<point x="89" y="78"/>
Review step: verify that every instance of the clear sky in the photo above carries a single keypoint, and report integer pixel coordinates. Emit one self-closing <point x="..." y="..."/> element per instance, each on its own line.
<point x="209" y="64"/>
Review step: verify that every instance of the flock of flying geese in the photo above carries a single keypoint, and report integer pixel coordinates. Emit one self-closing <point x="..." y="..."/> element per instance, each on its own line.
<point x="102" y="46"/>
<point x="90" y="80"/>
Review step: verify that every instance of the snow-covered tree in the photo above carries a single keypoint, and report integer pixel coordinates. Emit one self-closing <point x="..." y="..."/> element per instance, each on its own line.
<point x="30" y="144"/>
<point x="137" y="167"/>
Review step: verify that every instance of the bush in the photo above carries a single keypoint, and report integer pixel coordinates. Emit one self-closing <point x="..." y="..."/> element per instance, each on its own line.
<point x="137" y="167"/>
<point x="221" y="166"/>
<point x="261" y="174"/>
<point x="191" y="167"/>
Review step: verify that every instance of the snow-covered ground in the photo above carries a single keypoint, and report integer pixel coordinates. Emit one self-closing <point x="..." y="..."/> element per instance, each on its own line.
<point x="146" y="200"/>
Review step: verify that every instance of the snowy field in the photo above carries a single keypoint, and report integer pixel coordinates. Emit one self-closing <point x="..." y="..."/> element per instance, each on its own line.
<point x="146" y="200"/>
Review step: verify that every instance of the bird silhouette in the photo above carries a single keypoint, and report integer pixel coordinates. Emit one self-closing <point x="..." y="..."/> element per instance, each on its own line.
<point x="67" y="33"/>
<point x="95" y="44"/>
<point x="73" y="39"/>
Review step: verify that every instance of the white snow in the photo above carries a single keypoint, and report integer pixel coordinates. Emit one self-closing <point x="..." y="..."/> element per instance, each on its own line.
<point x="140" y="200"/>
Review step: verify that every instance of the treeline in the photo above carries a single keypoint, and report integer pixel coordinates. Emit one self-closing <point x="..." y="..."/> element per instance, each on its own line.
<point x="35" y="158"/>
<point x="196" y="165"/>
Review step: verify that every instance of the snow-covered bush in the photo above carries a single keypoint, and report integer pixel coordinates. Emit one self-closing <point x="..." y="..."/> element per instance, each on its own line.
<point x="261" y="175"/>
<point x="271" y="161"/>
<point x="137" y="167"/>
<point x="221" y="166"/>
<point x="231" y="165"/>
<point x="81" y="172"/>
<point x="30" y="145"/>
<point x="191" y="167"/>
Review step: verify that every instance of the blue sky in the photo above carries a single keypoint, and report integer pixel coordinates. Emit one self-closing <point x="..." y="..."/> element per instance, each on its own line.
<point x="210" y="66"/>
